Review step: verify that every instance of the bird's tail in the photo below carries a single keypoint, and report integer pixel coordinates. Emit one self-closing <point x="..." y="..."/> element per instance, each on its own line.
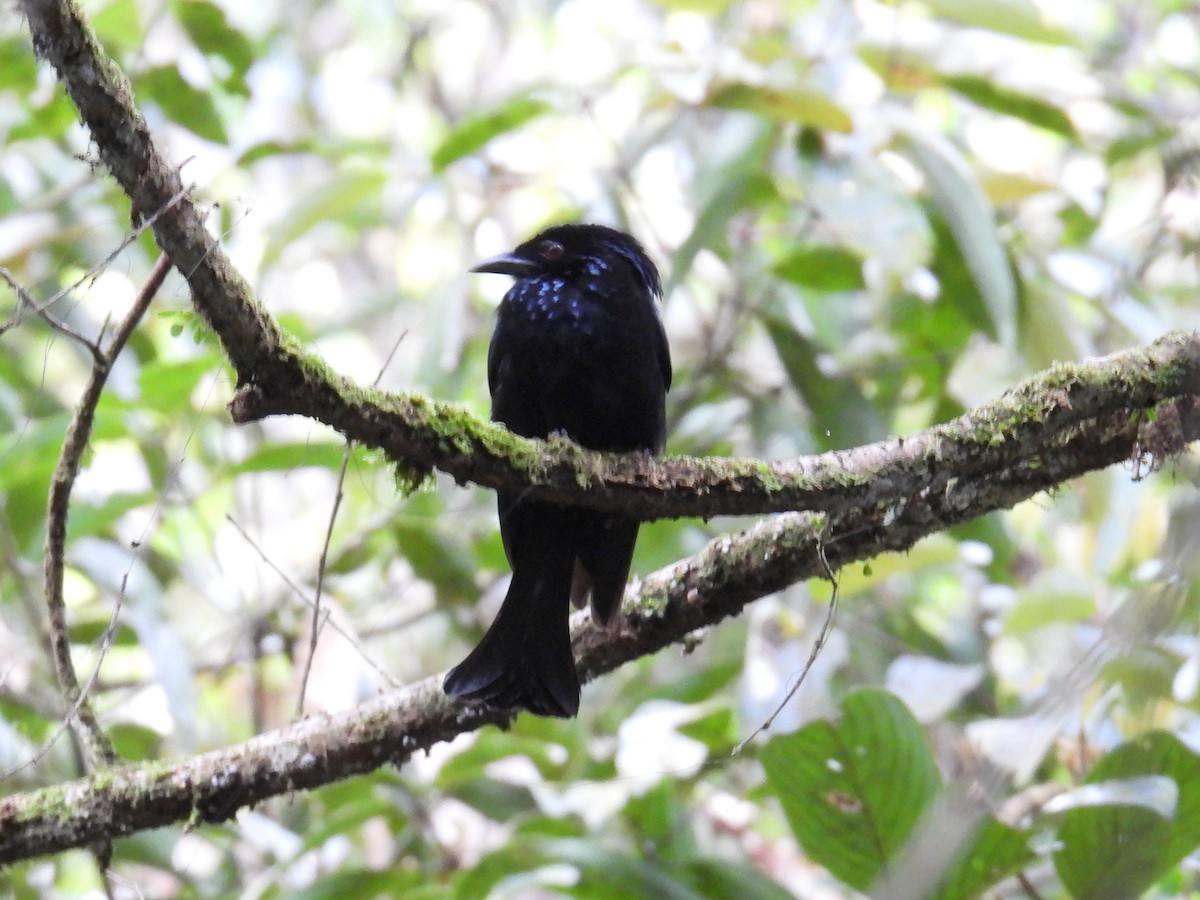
<point x="525" y="658"/>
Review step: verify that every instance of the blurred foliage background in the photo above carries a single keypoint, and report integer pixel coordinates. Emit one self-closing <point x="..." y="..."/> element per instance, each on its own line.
<point x="869" y="218"/>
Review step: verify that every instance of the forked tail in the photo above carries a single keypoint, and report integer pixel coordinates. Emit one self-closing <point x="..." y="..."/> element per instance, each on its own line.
<point x="525" y="658"/>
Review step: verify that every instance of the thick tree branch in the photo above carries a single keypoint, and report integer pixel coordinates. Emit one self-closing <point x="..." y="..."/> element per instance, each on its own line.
<point x="275" y="377"/>
<point x="1140" y="406"/>
<point x="666" y="607"/>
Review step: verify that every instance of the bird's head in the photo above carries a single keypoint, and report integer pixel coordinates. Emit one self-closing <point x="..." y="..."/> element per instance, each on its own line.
<point x="570" y="250"/>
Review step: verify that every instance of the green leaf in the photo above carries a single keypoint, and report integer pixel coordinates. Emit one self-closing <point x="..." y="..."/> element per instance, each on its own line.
<point x="167" y="385"/>
<point x="720" y="880"/>
<point x="1112" y="852"/>
<point x="437" y="556"/>
<point x="822" y="267"/>
<point x="118" y="24"/>
<point x="1033" y="110"/>
<point x="661" y="821"/>
<point x="608" y="874"/>
<point x="345" y="196"/>
<point x="92" y="630"/>
<point x="853" y="790"/>
<point x="89" y="519"/>
<point x="471" y="135"/>
<point x="135" y="742"/>
<point x="393" y="881"/>
<point x="1137" y="141"/>
<point x="211" y="32"/>
<point x="51" y="120"/>
<point x="717" y="730"/>
<point x="1019" y="18"/>
<point x="274" y="148"/>
<point x="961" y="201"/>
<point x="1035" y="609"/>
<point x="842" y="415"/>
<point x="181" y="102"/>
<point x="740" y="190"/>
<point x="283" y="457"/>
<point x="994" y="852"/>
<point x="799" y="104"/>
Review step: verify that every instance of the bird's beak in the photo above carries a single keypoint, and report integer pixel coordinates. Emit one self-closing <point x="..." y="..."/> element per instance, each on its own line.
<point x="506" y="264"/>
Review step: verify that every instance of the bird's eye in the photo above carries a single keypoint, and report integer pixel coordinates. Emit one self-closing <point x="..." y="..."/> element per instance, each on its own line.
<point x="550" y="250"/>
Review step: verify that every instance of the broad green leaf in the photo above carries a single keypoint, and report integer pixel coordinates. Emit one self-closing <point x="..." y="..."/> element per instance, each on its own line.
<point x="91" y="519"/>
<point x="284" y="457"/>
<point x="852" y="790"/>
<point x="118" y="24"/>
<point x="471" y="135"/>
<point x="1004" y="188"/>
<point x="720" y="880"/>
<point x="605" y="873"/>
<point x="18" y="67"/>
<point x="822" y="267"/>
<point x="1130" y="145"/>
<point x="729" y="179"/>
<point x="211" y="32"/>
<point x="392" y="881"/>
<point x="92" y="630"/>
<point x="1111" y="852"/>
<point x="842" y="415"/>
<point x="274" y="148"/>
<point x="1037" y="608"/>
<point x="1019" y="18"/>
<point x="801" y="105"/>
<point x="346" y="196"/>
<point x="49" y="121"/>
<point x="437" y="556"/>
<point x="994" y="852"/>
<point x="1033" y="110"/>
<point x="489" y="746"/>
<point x="717" y="730"/>
<point x="661" y="820"/>
<point x="181" y="102"/>
<point x="508" y="864"/>
<point x="135" y="742"/>
<point x="741" y="190"/>
<point x="872" y="213"/>
<point x="904" y="70"/>
<point x="961" y="201"/>
<point x="341" y="815"/>
<point x="167" y="385"/>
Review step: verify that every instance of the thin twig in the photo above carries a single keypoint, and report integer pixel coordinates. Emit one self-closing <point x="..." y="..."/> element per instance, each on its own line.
<point x="83" y="719"/>
<point x="295" y="589"/>
<point x="39" y="309"/>
<point x="71" y="714"/>
<point x="319" y="620"/>
<point x="817" y="647"/>
<point x="1027" y="886"/>
<point x="25" y="301"/>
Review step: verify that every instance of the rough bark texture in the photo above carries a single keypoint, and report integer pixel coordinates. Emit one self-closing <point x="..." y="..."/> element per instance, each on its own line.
<point x="1139" y="406"/>
<point x="664" y="608"/>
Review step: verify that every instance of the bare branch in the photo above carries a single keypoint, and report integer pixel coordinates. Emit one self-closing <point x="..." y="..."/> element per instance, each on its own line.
<point x="26" y="302"/>
<point x="665" y="607"/>
<point x="1134" y="406"/>
<point x="276" y="378"/>
<point x="82" y="718"/>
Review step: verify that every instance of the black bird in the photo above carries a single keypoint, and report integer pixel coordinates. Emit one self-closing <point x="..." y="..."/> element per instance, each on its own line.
<point x="579" y="350"/>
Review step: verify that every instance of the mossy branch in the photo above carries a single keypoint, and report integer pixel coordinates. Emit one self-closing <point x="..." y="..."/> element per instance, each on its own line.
<point x="664" y="608"/>
<point x="275" y="377"/>
<point x="1141" y="405"/>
